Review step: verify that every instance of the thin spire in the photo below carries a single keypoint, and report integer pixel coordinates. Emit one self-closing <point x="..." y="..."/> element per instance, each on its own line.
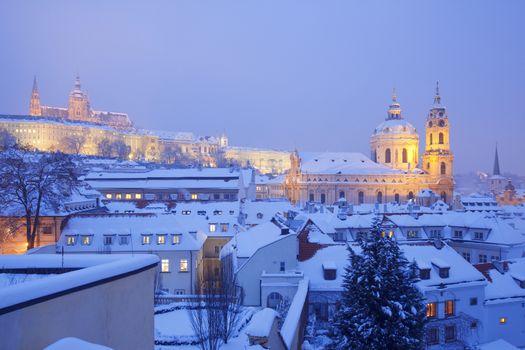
<point x="394" y="110"/>
<point x="394" y="94"/>
<point x="35" y="85"/>
<point x="496" y="170"/>
<point x="77" y="82"/>
<point x="437" y="97"/>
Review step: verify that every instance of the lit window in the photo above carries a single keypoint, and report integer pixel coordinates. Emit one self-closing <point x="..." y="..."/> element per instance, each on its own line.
<point x="138" y="196"/>
<point x="108" y="240"/>
<point x="194" y="196"/>
<point x="86" y="240"/>
<point x="183" y="266"/>
<point x="175" y="239"/>
<point x="165" y="265"/>
<point x="146" y="239"/>
<point x="431" y="310"/>
<point x="186" y="212"/>
<point x="502" y="320"/>
<point x="225" y="227"/>
<point x="118" y="196"/>
<point x="213" y="227"/>
<point x="109" y="195"/>
<point x="71" y="240"/>
<point x="128" y="195"/>
<point x="449" y="308"/>
<point x="161" y="239"/>
<point x="412" y="234"/>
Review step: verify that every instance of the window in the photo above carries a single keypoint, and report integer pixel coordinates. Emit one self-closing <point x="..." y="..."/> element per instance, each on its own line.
<point x="449" y="308"/>
<point x="396" y="198"/>
<point x="225" y="227"/>
<point x="441" y="138"/>
<point x="444" y="196"/>
<point x="431" y="310"/>
<point x="502" y="320"/>
<point x="360" y="197"/>
<point x="478" y="235"/>
<point x="482" y="258"/>
<point x="71" y="240"/>
<point x="404" y="156"/>
<point x="217" y="249"/>
<point x="433" y="336"/>
<point x="213" y="227"/>
<point x="138" y="196"/>
<point x="388" y="155"/>
<point x="175" y="239"/>
<point x="47" y="230"/>
<point x="466" y="256"/>
<point x="341" y="194"/>
<point x="165" y="265"/>
<point x="435" y="233"/>
<point x="217" y="212"/>
<point x="183" y="265"/>
<point x="474" y="324"/>
<point x="443" y="168"/>
<point x="146" y="239"/>
<point x="118" y="196"/>
<point x="273" y="300"/>
<point x="323" y="198"/>
<point x="431" y="139"/>
<point x="282" y="266"/>
<point x="109" y="195"/>
<point x="86" y="240"/>
<point x="311" y="197"/>
<point x="410" y="195"/>
<point x="444" y="272"/>
<point x="216" y="196"/>
<point x="450" y="333"/>
<point x="379" y="197"/>
<point x="194" y="196"/>
<point x="458" y="234"/>
<point x="186" y="212"/>
<point x="260" y="215"/>
<point x="494" y="257"/>
<point x="161" y="239"/>
<point x="424" y="274"/>
<point x="124" y="239"/>
<point x="474" y="301"/>
<point x="412" y="234"/>
<point x="128" y="195"/>
<point x="108" y="240"/>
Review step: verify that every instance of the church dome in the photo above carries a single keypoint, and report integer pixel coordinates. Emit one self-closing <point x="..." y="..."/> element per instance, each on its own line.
<point x="395" y="126"/>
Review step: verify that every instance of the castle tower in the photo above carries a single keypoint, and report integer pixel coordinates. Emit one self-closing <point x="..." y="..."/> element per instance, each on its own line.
<point x="438" y="158"/>
<point x="34" y="102"/>
<point x="79" y="108"/>
<point x="395" y="142"/>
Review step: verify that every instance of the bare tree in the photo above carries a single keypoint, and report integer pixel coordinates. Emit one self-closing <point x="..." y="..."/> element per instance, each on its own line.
<point x="33" y="182"/>
<point x="8" y="229"/>
<point x="7" y="140"/>
<point x="121" y="150"/>
<point x="216" y="312"/>
<point x="75" y="142"/>
<point x="104" y="148"/>
<point x="169" y="155"/>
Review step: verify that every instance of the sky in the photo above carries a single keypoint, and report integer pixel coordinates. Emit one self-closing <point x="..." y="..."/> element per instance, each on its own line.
<point x="281" y="74"/>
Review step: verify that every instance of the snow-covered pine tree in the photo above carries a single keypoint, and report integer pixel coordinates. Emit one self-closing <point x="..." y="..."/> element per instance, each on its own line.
<point x="381" y="306"/>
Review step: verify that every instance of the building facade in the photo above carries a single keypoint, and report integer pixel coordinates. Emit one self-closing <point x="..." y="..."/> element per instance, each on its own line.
<point x="392" y="175"/>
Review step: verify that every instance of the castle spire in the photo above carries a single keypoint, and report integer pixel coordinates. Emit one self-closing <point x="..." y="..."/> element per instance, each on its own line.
<point x="496" y="170"/>
<point x="437" y="97"/>
<point x="34" y="101"/>
<point x="35" y="85"/>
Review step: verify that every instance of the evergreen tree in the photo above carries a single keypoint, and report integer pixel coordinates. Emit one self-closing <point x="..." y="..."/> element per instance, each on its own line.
<point x="381" y="306"/>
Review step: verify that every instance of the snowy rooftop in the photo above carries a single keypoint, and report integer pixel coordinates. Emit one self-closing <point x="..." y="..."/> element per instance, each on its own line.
<point x="344" y="163"/>
<point x="395" y="126"/>
<point x="75" y="343"/>
<point x="261" y="323"/>
<point x="506" y="285"/>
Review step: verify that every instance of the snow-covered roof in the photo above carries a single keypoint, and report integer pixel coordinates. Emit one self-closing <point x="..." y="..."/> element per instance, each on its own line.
<point x="261" y="323"/>
<point x="395" y="126"/>
<point x="92" y="268"/>
<point x="295" y="311"/>
<point x="505" y="286"/>
<point x="499" y="344"/>
<point x="75" y="343"/>
<point x="344" y="163"/>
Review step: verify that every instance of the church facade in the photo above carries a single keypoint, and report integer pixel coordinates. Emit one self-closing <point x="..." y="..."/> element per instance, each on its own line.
<point x="392" y="174"/>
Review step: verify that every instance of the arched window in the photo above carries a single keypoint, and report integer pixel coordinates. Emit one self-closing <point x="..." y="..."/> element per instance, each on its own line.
<point x="443" y="168"/>
<point x="444" y="196"/>
<point x="323" y="198"/>
<point x="311" y="197"/>
<point x="430" y="138"/>
<point x="396" y="198"/>
<point x="379" y="197"/>
<point x="405" y="156"/>
<point x="410" y="195"/>
<point x="273" y="300"/>
<point x="441" y="138"/>
<point x="360" y="197"/>
<point x="341" y="194"/>
<point x="388" y="156"/>
<point x="428" y="166"/>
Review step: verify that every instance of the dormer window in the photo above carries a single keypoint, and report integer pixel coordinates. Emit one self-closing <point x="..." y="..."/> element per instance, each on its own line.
<point x="458" y="234"/>
<point x="478" y="235"/>
<point x="443" y="268"/>
<point x="424" y="274"/>
<point x="412" y="234"/>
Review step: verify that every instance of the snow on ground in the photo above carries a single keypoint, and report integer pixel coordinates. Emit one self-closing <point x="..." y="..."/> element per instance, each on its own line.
<point x="9" y="279"/>
<point x="75" y="343"/>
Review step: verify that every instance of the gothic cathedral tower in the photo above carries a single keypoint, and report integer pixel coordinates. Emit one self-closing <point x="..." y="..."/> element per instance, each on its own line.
<point x="34" y="102"/>
<point x="79" y="108"/>
<point x="438" y="158"/>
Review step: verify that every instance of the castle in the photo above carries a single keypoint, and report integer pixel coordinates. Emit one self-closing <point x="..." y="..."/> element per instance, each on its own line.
<point x="393" y="174"/>
<point x="78" y="109"/>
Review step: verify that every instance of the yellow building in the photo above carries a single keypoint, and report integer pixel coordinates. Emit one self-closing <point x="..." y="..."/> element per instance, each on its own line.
<point x="391" y="175"/>
<point x="267" y="161"/>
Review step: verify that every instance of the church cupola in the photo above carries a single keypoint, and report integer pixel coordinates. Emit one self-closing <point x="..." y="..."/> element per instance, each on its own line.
<point x="395" y="142"/>
<point x="34" y="102"/>
<point x="438" y="157"/>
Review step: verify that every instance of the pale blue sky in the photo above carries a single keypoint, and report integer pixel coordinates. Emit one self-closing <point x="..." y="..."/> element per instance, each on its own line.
<point x="316" y="75"/>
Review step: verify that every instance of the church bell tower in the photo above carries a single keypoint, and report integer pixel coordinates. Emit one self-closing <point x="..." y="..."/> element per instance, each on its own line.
<point x="438" y="158"/>
<point x="34" y="102"/>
